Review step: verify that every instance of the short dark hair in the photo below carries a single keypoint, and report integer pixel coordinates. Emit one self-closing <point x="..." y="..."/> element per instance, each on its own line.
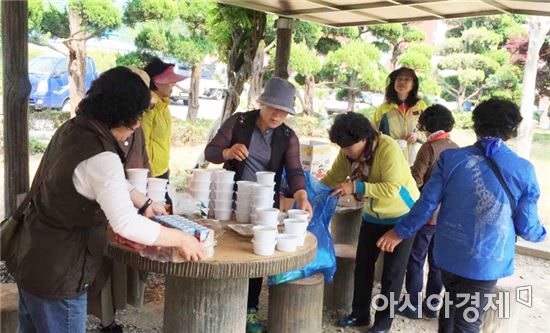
<point x="118" y="97"/>
<point x="154" y="68"/>
<point x="436" y="118"/>
<point x="350" y="128"/>
<point x="391" y="94"/>
<point x="497" y="117"/>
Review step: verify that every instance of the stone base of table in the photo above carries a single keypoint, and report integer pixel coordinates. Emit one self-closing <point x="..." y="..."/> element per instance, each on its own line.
<point x="297" y="306"/>
<point x="205" y="305"/>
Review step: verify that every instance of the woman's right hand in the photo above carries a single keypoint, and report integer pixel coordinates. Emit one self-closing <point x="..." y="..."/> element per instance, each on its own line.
<point x="190" y="248"/>
<point x="238" y="152"/>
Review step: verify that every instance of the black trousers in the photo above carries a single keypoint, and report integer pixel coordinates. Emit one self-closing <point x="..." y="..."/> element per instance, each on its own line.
<point x="254" y="289"/>
<point x="457" y="290"/>
<point x="395" y="265"/>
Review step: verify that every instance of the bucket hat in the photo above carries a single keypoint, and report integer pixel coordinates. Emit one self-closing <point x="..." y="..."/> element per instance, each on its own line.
<point x="279" y="94"/>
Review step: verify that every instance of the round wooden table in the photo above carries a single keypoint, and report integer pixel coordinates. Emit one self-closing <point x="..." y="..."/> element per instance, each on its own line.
<point x="211" y="295"/>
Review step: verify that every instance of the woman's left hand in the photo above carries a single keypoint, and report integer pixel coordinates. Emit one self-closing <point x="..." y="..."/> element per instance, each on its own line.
<point x="412" y="137"/>
<point x="388" y="241"/>
<point x="155" y="209"/>
<point x="305" y="205"/>
<point x="344" y="189"/>
<point x="300" y="197"/>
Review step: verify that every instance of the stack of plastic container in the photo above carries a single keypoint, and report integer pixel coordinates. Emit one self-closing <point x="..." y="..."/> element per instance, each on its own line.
<point x="263" y="193"/>
<point x="200" y="185"/>
<point x="138" y="179"/>
<point x="223" y="194"/>
<point x="156" y="189"/>
<point x="244" y="197"/>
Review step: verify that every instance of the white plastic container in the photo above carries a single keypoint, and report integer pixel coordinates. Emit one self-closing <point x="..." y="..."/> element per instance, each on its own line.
<point x="199" y="185"/>
<point x="222" y="214"/>
<point x="223" y="195"/>
<point x="268" y="216"/>
<point x="157" y="184"/>
<point x="156" y="195"/>
<point x="298" y="214"/>
<point x="242" y="207"/>
<point x="245" y="186"/>
<point x="264" y="234"/>
<point x="287" y="242"/>
<point x="224" y="186"/>
<point x="295" y="226"/>
<point x="139" y="185"/>
<point x="242" y="216"/>
<point x="224" y="176"/>
<point x="138" y="174"/>
<point x="202" y="175"/>
<point x="263" y="191"/>
<point x="264" y="249"/>
<point x="244" y="197"/>
<point x="201" y="195"/>
<point x="263" y="201"/>
<point x="265" y="177"/>
<point x="223" y="204"/>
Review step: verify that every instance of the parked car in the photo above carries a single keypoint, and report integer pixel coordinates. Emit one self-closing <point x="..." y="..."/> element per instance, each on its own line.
<point x="209" y="87"/>
<point x="50" y="82"/>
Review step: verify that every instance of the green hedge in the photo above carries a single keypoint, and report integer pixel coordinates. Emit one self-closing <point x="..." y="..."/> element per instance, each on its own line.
<point x="463" y="120"/>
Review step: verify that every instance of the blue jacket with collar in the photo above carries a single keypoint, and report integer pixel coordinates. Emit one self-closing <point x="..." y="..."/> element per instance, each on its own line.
<point x="476" y="228"/>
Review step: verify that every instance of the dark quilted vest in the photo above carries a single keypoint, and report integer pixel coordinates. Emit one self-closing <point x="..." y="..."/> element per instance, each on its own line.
<point x="242" y="133"/>
<point x="64" y="232"/>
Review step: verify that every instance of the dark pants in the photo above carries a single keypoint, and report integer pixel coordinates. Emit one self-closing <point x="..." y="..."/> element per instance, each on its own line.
<point x="166" y="175"/>
<point x="414" y="281"/>
<point x="254" y="289"/>
<point x="453" y="320"/>
<point x="393" y="274"/>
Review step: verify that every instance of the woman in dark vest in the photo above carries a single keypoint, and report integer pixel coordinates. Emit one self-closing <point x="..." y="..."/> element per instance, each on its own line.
<point x="84" y="190"/>
<point x="260" y="141"/>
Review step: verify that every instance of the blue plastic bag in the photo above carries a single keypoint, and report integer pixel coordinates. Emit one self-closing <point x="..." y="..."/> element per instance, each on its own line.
<point x="324" y="206"/>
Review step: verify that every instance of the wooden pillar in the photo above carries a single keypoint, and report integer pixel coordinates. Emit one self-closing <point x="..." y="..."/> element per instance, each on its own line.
<point x="15" y="101"/>
<point x="284" y="41"/>
<point x="205" y="305"/>
<point x="297" y="306"/>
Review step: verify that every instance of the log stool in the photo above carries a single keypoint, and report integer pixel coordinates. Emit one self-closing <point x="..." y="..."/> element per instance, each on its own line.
<point x="492" y="322"/>
<point x="9" y="305"/>
<point x="339" y="293"/>
<point x="296" y="306"/>
<point x="345" y="225"/>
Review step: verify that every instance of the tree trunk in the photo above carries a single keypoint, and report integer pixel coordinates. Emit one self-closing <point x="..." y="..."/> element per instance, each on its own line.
<point x="544" y="103"/>
<point x="538" y="28"/>
<point x="239" y="62"/>
<point x="77" y="60"/>
<point x="256" y="77"/>
<point x="15" y="101"/>
<point x="309" y="94"/>
<point x="461" y="95"/>
<point x="351" y="100"/>
<point x="394" y="56"/>
<point x="284" y="41"/>
<point x="194" y="91"/>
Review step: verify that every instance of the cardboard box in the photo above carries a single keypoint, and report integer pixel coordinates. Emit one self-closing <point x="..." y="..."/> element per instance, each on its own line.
<point x="316" y="157"/>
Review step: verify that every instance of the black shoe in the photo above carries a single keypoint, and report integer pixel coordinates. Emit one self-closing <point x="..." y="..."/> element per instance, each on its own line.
<point x="380" y="328"/>
<point x="113" y="328"/>
<point x="429" y="313"/>
<point x="411" y="313"/>
<point x="375" y="330"/>
<point x="353" y="321"/>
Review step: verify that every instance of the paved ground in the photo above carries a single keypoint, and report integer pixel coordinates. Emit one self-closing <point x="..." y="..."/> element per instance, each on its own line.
<point x="535" y="272"/>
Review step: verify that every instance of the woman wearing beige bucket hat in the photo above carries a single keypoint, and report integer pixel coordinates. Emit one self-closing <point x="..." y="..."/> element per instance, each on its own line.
<point x="260" y="141"/>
